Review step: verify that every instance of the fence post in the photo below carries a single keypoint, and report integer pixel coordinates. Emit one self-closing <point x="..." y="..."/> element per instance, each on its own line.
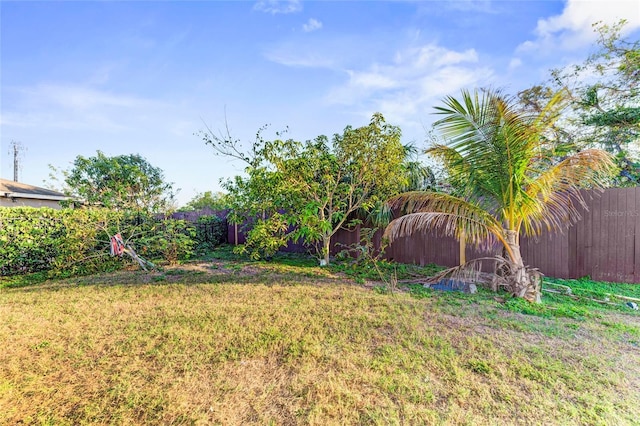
<point x="463" y="244"/>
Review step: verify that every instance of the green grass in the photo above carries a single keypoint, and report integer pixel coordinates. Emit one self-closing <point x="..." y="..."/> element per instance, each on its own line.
<point x="222" y="341"/>
<point x="587" y="288"/>
<point x="382" y="270"/>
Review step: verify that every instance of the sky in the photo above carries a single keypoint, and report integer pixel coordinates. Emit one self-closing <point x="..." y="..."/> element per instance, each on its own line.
<point x="144" y="77"/>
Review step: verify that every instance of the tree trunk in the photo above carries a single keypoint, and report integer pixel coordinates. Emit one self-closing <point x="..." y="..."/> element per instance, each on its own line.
<point x="523" y="282"/>
<point x="326" y="244"/>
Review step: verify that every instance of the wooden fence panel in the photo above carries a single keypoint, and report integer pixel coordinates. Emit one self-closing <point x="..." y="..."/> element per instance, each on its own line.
<point x="423" y="248"/>
<point x="630" y="230"/>
<point x="345" y="238"/>
<point x="587" y="227"/>
<point x="604" y="244"/>
<point x="599" y="234"/>
<point x="636" y="244"/>
<point x="548" y="252"/>
<point x="608" y="233"/>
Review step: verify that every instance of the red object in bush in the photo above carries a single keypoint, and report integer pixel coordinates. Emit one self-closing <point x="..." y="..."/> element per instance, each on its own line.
<point x="117" y="245"/>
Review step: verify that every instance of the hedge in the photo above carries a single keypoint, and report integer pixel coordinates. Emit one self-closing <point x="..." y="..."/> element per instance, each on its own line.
<point x="72" y="241"/>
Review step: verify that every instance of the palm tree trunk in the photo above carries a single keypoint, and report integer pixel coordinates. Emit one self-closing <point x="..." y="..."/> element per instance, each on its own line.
<point x="523" y="282"/>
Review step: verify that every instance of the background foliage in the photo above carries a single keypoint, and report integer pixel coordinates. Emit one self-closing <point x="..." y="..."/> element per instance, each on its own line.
<point x="207" y="200"/>
<point x="211" y="231"/>
<point x="605" y="102"/>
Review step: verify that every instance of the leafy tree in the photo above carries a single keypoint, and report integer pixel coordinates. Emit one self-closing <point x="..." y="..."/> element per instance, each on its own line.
<point x="310" y="190"/>
<point x="507" y="185"/>
<point x="356" y="172"/>
<point x="120" y="182"/>
<point x="207" y="200"/>
<point x="605" y="101"/>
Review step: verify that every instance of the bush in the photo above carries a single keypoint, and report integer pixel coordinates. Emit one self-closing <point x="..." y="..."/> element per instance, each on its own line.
<point x="76" y="241"/>
<point x="28" y="242"/>
<point x="43" y="239"/>
<point x="211" y="231"/>
<point x="170" y="239"/>
<point x="265" y="238"/>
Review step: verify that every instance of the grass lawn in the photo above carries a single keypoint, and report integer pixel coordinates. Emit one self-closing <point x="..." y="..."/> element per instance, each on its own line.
<point x="285" y="342"/>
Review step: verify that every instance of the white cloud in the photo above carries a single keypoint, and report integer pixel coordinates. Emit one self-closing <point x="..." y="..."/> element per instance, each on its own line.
<point x="406" y="88"/>
<point x="433" y="56"/>
<point x="78" y="97"/>
<point x="311" y="25"/>
<point x="75" y="107"/>
<point x="573" y="27"/>
<point x="371" y="80"/>
<point x="403" y="83"/>
<point x="515" y="63"/>
<point x="278" y="6"/>
<point x="306" y="60"/>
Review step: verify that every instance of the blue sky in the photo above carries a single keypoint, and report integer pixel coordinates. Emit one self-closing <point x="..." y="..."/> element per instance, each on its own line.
<point x="143" y="77"/>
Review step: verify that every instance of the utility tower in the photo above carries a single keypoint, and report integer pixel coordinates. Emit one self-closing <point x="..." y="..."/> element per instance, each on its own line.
<point x="16" y="148"/>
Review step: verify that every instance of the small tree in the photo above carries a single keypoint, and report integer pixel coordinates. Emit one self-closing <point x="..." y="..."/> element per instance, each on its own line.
<point x="360" y="169"/>
<point x="319" y="186"/>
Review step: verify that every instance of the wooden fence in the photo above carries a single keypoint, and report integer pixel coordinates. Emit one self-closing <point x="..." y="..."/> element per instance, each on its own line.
<point x="604" y="244"/>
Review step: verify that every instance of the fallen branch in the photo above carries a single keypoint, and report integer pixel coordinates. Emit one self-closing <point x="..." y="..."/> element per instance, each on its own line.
<point x="618" y="296"/>
<point x="566" y="288"/>
<point x="118" y="247"/>
<point x="574" y="297"/>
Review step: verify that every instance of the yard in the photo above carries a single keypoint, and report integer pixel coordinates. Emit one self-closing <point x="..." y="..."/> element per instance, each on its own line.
<point x="220" y="341"/>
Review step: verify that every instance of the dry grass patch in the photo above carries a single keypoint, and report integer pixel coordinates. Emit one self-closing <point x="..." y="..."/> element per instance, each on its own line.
<point x="292" y="352"/>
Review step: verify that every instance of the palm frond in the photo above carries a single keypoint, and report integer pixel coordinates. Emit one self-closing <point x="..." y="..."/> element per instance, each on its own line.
<point x="495" y="153"/>
<point x="446" y="213"/>
<point x="490" y="137"/>
<point x="555" y="195"/>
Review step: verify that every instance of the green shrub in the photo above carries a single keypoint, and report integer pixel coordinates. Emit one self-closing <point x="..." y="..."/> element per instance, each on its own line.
<point x="211" y="231"/>
<point x="76" y="241"/>
<point x="169" y="239"/>
<point x="27" y="244"/>
<point x="43" y="239"/>
<point x="265" y="238"/>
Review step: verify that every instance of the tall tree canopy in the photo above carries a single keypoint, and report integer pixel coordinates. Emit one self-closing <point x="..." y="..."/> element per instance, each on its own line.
<point x="495" y="155"/>
<point x="120" y="182"/>
<point x="207" y="200"/>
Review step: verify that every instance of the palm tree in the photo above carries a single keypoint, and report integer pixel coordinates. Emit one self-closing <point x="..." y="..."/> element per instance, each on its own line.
<point x="419" y="176"/>
<point x="507" y="182"/>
